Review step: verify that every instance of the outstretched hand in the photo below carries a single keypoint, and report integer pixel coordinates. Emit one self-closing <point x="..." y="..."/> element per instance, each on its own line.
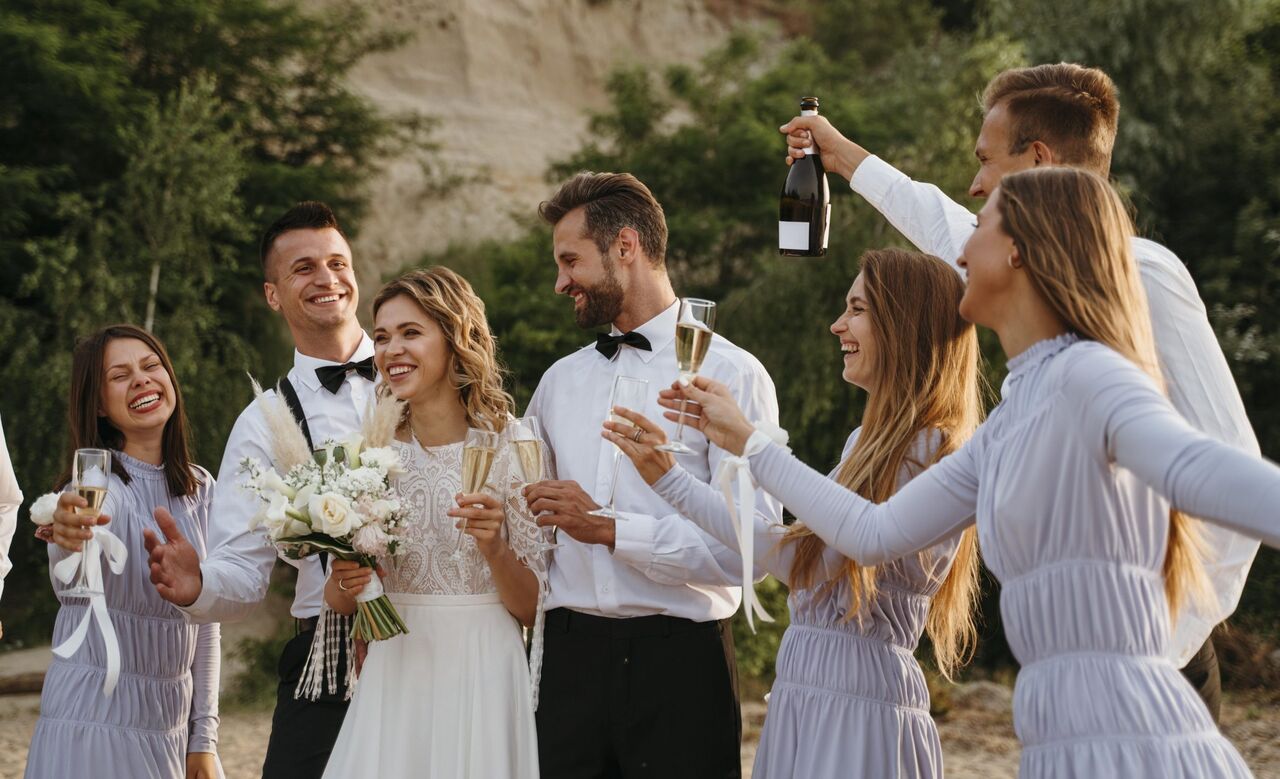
<point x="839" y="154"/>
<point x="175" y="564"/>
<point x="709" y="408"/>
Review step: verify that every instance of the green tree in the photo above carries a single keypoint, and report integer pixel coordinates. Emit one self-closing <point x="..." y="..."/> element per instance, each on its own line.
<point x="142" y="146"/>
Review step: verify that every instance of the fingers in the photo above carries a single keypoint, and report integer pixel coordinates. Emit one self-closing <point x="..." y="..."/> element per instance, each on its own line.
<point x="476" y="499"/>
<point x="476" y="513"/>
<point x="344" y="565"/>
<point x="168" y="525"/>
<point x="150" y="542"/>
<point x="639" y="420"/>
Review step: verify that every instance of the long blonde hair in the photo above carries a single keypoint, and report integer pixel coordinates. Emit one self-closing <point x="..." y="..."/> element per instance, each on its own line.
<point x="477" y="372"/>
<point x="1074" y="237"/>
<point x="927" y="368"/>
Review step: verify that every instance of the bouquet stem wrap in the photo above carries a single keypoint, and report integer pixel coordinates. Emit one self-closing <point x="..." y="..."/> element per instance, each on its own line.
<point x="376" y="618"/>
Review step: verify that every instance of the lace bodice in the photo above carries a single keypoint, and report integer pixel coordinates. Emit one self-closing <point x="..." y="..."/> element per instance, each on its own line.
<point x="426" y="563"/>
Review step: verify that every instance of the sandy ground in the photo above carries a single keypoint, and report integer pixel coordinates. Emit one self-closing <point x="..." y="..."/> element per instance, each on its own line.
<point x="977" y="737"/>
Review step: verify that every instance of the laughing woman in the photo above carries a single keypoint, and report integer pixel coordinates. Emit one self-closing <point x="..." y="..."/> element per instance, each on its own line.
<point x="850" y="698"/>
<point x="1072" y="479"/>
<point x="452" y="697"/>
<point x="162" y="718"/>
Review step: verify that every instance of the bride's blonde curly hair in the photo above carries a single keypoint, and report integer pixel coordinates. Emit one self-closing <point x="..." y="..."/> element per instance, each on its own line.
<point x="477" y="372"/>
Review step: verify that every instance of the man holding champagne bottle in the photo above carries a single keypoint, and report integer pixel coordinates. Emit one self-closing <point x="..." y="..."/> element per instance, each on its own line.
<point x="638" y="675"/>
<point x="1067" y="114"/>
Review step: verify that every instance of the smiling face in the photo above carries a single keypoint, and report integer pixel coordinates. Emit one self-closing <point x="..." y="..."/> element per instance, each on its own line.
<point x="411" y="351"/>
<point x="989" y="274"/>
<point x="585" y="274"/>
<point x="311" y="280"/>
<point x="137" y="391"/>
<point x="858" y="341"/>
<point x="992" y="150"/>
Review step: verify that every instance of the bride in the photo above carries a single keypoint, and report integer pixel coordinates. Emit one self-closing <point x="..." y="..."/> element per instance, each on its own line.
<point x="455" y="696"/>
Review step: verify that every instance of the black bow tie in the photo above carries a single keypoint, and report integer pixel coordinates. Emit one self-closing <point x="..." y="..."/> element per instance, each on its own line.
<point x="608" y="344"/>
<point x="332" y="376"/>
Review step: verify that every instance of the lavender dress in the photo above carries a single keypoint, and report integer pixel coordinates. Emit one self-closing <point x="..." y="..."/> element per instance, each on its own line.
<point x="849" y="698"/>
<point x="166" y="701"/>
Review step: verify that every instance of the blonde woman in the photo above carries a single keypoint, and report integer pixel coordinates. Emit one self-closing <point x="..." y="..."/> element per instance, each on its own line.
<point x="850" y="698"/>
<point x="1071" y="479"/>
<point x="454" y="696"/>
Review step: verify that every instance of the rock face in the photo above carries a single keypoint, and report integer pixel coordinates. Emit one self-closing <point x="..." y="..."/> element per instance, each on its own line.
<point x="511" y="83"/>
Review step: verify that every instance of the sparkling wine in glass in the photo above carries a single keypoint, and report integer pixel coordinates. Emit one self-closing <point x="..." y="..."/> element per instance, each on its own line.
<point x="694" y="327"/>
<point x="524" y="436"/>
<point x="629" y="393"/>
<point x="478" y="451"/>
<point x="89" y="476"/>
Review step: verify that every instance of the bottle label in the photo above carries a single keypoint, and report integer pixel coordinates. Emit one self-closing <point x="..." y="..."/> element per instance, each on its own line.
<point x="793" y="236"/>
<point x="809" y="149"/>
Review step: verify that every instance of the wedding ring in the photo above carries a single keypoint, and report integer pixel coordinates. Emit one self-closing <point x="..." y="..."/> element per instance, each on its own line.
<point x="639" y="433"/>
<point x="344" y="589"/>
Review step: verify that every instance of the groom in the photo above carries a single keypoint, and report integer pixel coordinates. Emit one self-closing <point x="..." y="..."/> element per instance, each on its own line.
<point x="638" y="673"/>
<point x="308" y="278"/>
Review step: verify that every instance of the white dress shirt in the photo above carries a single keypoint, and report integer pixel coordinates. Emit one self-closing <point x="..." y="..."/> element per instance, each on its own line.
<point x="10" y="500"/>
<point x="238" y="568"/>
<point x="662" y="563"/>
<point x="1196" y="373"/>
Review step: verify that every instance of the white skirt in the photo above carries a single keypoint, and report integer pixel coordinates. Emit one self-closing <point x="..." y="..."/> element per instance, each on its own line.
<point x="449" y="699"/>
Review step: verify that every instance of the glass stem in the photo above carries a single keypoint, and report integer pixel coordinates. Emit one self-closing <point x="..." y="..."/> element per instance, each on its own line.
<point x="613" y="486"/>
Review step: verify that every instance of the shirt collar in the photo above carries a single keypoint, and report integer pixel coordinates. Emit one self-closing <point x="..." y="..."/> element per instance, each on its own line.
<point x="304" y="366"/>
<point x="661" y="330"/>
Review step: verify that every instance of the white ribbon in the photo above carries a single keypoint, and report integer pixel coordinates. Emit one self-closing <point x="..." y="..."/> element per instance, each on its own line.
<point x="372" y="591"/>
<point x="739" y="468"/>
<point x="65" y="571"/>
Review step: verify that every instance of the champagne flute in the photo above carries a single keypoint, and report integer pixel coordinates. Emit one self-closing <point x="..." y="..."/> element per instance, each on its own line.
<point x="478" y="451"/>
<point x="694" y="327"/>
<point x="629" y="393"/>
<point x="89" y="476"/>
<point x="524" y="436"/>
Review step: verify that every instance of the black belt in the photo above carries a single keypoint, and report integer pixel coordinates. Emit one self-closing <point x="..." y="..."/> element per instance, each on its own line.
<point x="568" y="621"/>
<point x="304" y="624"/>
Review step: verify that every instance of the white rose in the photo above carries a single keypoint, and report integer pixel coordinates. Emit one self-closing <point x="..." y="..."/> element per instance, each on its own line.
<point x="42" y="510"/>
<point x="332" y="514"/>
<point x="384" y="459"/>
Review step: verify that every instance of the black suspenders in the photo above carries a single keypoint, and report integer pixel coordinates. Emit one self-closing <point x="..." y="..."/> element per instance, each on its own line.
<point x="295" y="406"/>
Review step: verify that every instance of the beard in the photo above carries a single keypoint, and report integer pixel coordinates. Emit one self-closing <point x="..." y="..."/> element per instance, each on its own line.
<point x="601" y="303"/>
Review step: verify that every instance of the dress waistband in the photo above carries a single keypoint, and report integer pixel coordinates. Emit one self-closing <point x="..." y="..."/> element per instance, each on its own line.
<point x="425" y="599"/>
<point x="1112" y="657"/>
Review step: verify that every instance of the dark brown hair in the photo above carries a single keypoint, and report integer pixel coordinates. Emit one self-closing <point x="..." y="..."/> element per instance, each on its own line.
<point x="89" y="430"/>
<point x="307" y="215"/>
<point x="1069" y="107"/>
<point x="613" y="201"/>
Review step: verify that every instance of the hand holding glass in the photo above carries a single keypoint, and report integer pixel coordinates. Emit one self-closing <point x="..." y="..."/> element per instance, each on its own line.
<point x="89" y="474"/>
<point x="628" y="393"/>
<point x="695" y="325"/>
<point x="478" y="451"/>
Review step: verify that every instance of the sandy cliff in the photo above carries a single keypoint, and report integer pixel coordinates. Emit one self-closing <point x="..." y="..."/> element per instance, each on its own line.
<point x="511" y="82"/>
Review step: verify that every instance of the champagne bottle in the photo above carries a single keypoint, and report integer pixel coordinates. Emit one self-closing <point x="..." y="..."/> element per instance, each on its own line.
<point x="804" y="213"/>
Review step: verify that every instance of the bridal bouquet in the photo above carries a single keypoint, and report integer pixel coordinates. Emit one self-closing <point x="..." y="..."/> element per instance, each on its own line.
<point x="337" y="500"/>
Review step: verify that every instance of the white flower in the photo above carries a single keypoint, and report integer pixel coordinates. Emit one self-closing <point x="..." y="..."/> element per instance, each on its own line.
<point x="332" y="514"/>
<point x="42" y="510"/>
<point x="352" y="444"/>
<point x="370" y="540"/>
<point x="270" y="480"/>
<point x="382" y="510"/>
<point x="383" y="458"/>
<point x="276" y="517"/>
<point x="302" y="499"/>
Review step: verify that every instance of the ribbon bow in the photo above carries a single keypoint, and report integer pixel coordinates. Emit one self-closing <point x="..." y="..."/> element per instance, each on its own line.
<point x="65" y="571"/>
<point x="739" y="468"/>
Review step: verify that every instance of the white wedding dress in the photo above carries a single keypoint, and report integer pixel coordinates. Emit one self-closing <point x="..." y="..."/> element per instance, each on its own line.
<point x="455" y="696"/>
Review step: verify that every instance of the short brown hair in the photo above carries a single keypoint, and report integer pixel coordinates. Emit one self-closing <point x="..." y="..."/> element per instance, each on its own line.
<point x="613" y="201"/>
<point x="1071" y="108"/>
<point x="307" y="215"/>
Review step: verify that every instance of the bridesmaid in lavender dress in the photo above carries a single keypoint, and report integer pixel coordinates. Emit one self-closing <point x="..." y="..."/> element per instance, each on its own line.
<point x="161" y="720"/>
<point x="1071" y="482"/>
<point x="850" y="698"/>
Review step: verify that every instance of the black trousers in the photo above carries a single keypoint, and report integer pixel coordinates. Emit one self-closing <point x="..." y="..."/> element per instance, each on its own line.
<point x="638" y="697"/>
<point x="302" y="731"/>
<point x="1203" y="673"/>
